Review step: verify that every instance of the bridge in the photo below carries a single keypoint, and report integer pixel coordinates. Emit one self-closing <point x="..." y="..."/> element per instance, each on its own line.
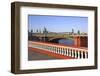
<point x="59" y="50"/>
<point x="49" y="37"/>
<point x="79" y="40"/>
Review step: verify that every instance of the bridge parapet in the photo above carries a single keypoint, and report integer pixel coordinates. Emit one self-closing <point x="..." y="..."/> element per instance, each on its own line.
<point x="62" y="50"/>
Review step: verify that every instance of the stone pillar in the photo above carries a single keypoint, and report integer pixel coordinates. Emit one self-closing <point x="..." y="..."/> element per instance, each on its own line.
<point x="84" y="41"/>
<point x="80" y="41"/>
<point x="77" y="41"/>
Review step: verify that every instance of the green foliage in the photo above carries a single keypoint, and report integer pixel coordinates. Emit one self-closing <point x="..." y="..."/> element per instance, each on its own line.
<point x="78" y="32"/>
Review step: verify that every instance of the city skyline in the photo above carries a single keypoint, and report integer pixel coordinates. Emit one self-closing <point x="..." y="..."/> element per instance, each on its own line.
<point x="57" y="23"/>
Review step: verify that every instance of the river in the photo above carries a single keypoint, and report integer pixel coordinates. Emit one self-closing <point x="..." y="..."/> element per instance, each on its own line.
<point x="68" y="42"/>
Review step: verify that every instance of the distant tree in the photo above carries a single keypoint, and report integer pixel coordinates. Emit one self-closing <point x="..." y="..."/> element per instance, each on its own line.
<point x="37" y="31"/>
<point x="31" y="34"/>
<point x="28" y="31"/>
<point x="45" y="30"/>
<point x="72" y="31"/>
<point x="78" y="32"/>
<point x="31" y="31"/>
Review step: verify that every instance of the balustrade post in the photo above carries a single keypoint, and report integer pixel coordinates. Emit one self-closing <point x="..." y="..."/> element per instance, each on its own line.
<point x="72" y="53"/>
<point x="67" y="52"/>
<point x="64" y="51"/>
<point x="55" y="49"/>
<point x="51" y="49"/>
<point x="59" y="50"/>
<point x="86" y="55"/>
<point x="81" y="54"/>
<point x="75" y="54"/>
<point x="78" y="54"/>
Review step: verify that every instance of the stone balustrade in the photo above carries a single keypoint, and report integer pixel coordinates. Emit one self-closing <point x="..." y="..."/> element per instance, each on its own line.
<point x="77" y="53"/>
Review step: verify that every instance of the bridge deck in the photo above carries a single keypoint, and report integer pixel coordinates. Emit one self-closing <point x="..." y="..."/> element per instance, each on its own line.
<point x="33" y="54"/>
<point x="46" y="55"/>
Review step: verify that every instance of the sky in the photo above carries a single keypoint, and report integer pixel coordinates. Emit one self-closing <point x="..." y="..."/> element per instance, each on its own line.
<point x="58" y="23"/>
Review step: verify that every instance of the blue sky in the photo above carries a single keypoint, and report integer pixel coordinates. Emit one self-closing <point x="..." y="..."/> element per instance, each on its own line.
<point x="58" y="23"/>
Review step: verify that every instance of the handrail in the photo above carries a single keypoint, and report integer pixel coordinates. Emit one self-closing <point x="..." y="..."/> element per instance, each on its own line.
<point x="62" y="50"/>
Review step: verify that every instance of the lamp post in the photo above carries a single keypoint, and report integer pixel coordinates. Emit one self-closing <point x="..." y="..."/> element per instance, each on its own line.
<point x="45" y="33"/>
